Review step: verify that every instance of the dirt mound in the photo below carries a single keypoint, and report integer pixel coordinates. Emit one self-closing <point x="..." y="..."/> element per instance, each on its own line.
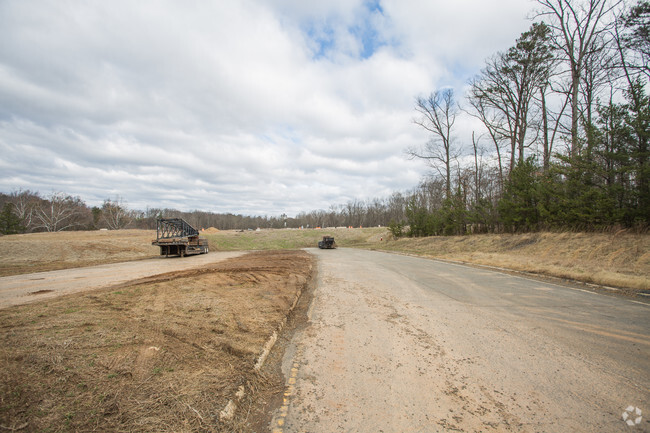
<point x="163" y="354"/>
<point x="210" y="230"/>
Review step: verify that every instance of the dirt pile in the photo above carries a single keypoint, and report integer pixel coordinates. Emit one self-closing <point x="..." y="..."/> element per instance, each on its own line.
<point x="162" y="354"/>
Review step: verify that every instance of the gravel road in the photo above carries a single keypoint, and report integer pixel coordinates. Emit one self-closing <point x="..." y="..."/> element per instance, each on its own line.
<point x="404" y="344"/>
<point x="21" y="289"/>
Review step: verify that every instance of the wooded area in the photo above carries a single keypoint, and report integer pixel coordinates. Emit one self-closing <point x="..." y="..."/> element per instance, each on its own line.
<point x="565" y="117"/>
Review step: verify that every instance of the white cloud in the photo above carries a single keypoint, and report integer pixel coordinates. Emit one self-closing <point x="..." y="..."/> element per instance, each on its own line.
<point x="258" y="107"/>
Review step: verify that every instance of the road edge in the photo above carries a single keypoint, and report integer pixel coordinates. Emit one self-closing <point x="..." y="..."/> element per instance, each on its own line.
<point x="228" y="412"/>
<point x="637" y="297"/>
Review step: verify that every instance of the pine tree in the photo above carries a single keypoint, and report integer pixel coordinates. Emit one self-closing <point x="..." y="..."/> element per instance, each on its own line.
<point x="10" y="223"/>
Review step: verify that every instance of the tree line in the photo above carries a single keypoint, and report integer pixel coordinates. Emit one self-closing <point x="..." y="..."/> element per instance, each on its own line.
<point x="565" y="118"/>
<point x="27" y="211"/>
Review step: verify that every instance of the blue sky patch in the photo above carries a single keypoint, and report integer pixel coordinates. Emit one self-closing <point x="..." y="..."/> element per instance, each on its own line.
<point x="323" y="35"/>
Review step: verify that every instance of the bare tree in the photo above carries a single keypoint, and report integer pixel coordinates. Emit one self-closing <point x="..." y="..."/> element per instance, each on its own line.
<point x="58" y="212"/>
<point x="438" y="114"/>
<point x="115" y="214"/>
<point x="633" y="38"/>
<point x="502" y="94"/>
<point x="492" y="121"/>
<point x="576" y="25"/>
<point x="25" y="203"/>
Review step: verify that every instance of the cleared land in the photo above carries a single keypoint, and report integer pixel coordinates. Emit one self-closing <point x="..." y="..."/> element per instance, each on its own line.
<point x="162" y="354"/>
<point x="619" y="259"/>
<point x="167" y="353"/>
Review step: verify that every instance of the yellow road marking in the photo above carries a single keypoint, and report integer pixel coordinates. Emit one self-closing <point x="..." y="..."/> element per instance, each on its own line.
<point x="288" y="393"/>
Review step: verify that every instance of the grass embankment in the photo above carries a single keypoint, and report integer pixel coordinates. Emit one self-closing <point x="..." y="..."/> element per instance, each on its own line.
<point x="618" y="259"/>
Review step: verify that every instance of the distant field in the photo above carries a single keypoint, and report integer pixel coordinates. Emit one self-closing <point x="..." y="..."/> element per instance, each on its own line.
<point x="38" y="252"/>
<point x="613" y="259"/>
<point x="294" y="238"/>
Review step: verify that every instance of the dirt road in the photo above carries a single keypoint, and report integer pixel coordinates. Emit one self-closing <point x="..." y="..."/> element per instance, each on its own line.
<point x="398" y="344"/>
<point x="22" y="289"/>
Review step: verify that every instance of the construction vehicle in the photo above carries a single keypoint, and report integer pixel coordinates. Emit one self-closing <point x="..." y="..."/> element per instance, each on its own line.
<point x="176" y="237"/>
<point x="327" y="243"/>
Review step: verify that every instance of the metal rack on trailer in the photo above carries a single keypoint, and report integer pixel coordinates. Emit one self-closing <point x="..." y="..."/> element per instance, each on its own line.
<point x="176" y="237"/>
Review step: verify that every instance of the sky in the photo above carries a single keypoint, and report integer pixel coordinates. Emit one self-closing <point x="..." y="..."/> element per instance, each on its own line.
<point x="254" y="107"/>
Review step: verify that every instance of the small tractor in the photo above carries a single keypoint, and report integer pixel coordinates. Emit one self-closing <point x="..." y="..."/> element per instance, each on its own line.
<point x="327" y="243"/>
<point x="176" y="237"/>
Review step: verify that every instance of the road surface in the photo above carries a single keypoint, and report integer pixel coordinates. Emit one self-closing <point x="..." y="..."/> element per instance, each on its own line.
<point x="21" y="289"/>
<point x="404" y="344"/>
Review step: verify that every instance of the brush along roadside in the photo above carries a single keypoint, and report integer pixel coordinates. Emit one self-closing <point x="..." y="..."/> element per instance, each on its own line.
<point x="164" y="353"/>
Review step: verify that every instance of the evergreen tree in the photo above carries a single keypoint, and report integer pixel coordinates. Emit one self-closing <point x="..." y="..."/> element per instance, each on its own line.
<point x="10" y="223"/>
<point x="518" y="208"/>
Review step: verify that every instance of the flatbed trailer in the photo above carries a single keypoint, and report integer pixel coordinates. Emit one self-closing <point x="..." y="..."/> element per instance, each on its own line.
<point x="176" y="237"/>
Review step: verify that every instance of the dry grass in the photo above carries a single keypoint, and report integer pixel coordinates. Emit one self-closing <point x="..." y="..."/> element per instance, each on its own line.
<point x="292" y="238"/>
<point x="164" y="354"/>
<point x="36" y="252"/>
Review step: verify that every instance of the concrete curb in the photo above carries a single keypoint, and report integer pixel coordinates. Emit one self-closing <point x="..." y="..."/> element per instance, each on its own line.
<point x="228" y="412"/>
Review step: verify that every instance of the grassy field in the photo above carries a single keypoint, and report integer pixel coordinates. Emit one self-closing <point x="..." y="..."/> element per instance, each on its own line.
<point x="293" y="238"/>
<point x="38" y="252"/>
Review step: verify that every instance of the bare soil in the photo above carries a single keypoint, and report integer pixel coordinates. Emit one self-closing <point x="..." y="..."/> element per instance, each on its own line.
<point x="165" y="353"/>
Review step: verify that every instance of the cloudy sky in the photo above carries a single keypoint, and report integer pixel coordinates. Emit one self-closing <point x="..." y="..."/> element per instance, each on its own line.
<point x="258" y="107"/>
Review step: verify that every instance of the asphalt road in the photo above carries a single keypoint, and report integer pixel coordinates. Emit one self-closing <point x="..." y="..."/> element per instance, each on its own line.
<point x="404" y="344"/>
